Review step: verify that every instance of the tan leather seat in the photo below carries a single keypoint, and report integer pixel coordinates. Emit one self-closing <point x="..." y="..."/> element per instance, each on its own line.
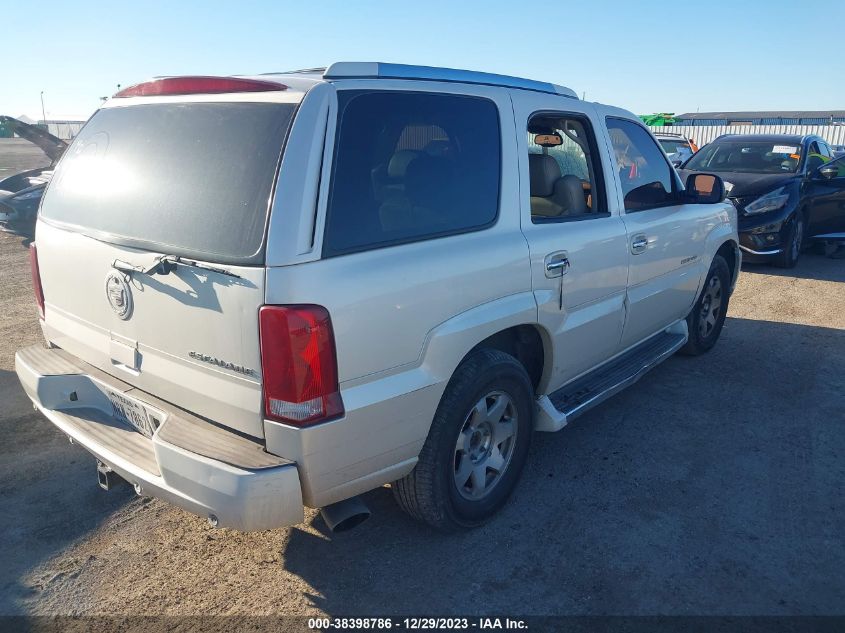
<point x="428" y="180"/>
<point x="554" y="195"/>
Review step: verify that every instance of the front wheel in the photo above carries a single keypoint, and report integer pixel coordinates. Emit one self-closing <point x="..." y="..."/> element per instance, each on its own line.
<point x="793" y="241"/>
<point x="476" y="447"/>
<point x="707" y="317"/>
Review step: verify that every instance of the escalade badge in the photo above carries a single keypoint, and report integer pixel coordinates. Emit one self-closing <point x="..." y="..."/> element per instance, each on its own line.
<point x="119" y="295"/>
<point x="222" y="363"/>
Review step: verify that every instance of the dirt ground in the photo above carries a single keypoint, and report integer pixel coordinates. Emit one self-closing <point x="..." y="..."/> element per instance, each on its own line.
<point x="713" y="486"/>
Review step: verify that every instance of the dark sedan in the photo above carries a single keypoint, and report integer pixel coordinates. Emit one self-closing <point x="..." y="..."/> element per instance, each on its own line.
<point x="787" y="189"/>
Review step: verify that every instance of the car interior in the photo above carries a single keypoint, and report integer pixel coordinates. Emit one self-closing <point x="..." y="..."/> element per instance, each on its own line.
<point x="560" y="167"/>
<point x="412" y="186"/>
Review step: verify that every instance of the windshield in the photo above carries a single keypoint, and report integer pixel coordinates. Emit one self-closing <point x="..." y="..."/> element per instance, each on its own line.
<point x="672" y="146"/>
<point x="757" y="157"/>
<point x="183" y="178"/>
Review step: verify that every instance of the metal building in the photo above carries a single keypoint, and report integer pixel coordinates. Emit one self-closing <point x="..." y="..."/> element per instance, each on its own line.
<point x="787" y="117"/>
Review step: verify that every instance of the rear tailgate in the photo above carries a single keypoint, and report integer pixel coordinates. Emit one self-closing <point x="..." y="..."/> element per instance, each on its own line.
<point x="184" y="179"/>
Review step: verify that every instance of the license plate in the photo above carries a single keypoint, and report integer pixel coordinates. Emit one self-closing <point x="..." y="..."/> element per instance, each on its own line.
<point x="131" y="413"/>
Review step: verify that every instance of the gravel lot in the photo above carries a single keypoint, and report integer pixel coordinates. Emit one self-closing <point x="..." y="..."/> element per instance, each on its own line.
<point x="714" y="486"/>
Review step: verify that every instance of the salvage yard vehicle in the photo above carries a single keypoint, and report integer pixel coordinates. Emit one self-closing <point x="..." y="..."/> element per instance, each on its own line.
<point x="788" y="189"/>
<point x="21" y="193"/>
<point x="299" y="287"/>
<point x="678" y="148"/>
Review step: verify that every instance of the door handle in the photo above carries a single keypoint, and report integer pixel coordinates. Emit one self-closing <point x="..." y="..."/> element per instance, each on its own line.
<point x="639" y="244"/>
<point x="557" y="265"/>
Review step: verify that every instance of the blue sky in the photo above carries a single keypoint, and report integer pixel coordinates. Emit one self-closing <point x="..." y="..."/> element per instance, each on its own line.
<point x="683" y="56"/>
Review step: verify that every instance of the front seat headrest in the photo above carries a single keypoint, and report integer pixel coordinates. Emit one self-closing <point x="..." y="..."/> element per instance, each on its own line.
<point x="399" y="162"/>
<point x="544" y="172"/>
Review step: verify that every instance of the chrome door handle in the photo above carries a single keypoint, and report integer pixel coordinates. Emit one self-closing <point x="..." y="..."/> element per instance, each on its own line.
<point x="639" y="244"/>
<point x="556" y="265"/>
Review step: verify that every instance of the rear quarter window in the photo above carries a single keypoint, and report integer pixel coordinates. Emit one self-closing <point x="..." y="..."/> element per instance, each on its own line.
<point x="411" y="166"/>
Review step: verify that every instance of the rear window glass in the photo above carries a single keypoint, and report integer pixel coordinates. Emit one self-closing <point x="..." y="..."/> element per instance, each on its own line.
<point x="672" y="146"/>
<point x="186" y="178"/>
<point x="411" y="166"/>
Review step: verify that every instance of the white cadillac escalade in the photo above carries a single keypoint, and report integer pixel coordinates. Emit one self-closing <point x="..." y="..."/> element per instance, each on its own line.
<point x="263" y="293"/>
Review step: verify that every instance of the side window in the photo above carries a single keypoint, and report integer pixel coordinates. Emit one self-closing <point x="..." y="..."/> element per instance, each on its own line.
<point x="564" y="169"/>
<point x="840" y="166"/>
<point x="815" y="159"/>
<point x="824" y="150"/>
<point x="647" y="179"/>
<point x="410" y="166"/>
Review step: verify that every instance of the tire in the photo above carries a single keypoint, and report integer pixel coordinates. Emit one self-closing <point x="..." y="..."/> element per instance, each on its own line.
<point x="707" y="316"/>
<point x="489" y="395"/>
<point x="793" y="242"/>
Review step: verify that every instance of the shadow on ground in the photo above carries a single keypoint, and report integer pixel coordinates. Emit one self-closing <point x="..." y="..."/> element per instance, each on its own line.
<point x="713" y="486"/>
<point x="48" y="492"/>
<point x="810" y="266"/>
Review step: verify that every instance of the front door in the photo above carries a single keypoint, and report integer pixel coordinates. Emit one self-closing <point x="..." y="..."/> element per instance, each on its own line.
<point x="666" y="238"/>
<point x="577" y="240"/>
<point x="826" y="197"/>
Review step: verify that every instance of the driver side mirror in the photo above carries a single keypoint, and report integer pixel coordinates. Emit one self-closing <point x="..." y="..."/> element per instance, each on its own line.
<point x="705" y="189"/>
<point x="827" y="172"/>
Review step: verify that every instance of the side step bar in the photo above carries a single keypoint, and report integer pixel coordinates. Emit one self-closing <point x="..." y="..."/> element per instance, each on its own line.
<point x="574" y="399"/>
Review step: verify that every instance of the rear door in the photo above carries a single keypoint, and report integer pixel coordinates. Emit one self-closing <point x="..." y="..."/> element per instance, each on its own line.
<point x="184" y="179"/>
<point x="576" y="238"/>
<point x="666" y="238"/>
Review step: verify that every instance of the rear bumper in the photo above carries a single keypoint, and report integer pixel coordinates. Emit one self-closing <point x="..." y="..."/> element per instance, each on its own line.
<point x="189" y="462"/>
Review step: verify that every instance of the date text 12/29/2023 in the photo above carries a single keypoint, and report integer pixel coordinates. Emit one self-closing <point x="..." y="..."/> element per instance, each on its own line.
<point x="417" y="623"/>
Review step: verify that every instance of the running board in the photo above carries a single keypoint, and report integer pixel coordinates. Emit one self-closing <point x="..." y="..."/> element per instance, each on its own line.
<point x="567" y="403"/>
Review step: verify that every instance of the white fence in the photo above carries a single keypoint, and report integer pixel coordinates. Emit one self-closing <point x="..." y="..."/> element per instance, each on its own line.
<point x="65" y="130"/>
<point x="701" y="134"/>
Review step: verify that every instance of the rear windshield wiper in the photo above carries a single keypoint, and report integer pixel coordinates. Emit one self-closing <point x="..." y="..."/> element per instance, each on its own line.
<point x="166" y="264"/>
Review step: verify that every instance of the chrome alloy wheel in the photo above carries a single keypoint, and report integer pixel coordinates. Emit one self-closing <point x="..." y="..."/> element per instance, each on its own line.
<point x="711" y="306"/>
<point x="485" y="445"/>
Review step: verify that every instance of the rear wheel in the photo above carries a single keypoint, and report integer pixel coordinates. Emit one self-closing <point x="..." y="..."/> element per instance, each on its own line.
<point x="477" y="445"/>
<point x="707" y="317"/>
<point x="793" y="241"/>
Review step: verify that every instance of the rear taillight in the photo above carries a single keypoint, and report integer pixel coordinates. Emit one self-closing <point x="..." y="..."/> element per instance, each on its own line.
<point x="299" y="364"/>
<point x="36" y="280"/>
<point x="198" y="85"/>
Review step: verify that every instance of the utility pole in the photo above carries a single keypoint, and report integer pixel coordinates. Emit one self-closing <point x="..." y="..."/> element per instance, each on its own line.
<point x="43" y="112"/>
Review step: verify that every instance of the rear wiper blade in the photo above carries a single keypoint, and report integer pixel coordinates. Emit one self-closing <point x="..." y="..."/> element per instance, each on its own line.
<point x="166" y="264"/>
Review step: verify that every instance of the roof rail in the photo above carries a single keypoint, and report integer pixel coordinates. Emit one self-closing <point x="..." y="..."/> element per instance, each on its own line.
<point x="302" y="71"/>
<point x="381" y="70"/>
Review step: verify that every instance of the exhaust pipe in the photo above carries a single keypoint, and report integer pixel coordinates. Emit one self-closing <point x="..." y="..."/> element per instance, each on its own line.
<point x="345" y="515"/>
